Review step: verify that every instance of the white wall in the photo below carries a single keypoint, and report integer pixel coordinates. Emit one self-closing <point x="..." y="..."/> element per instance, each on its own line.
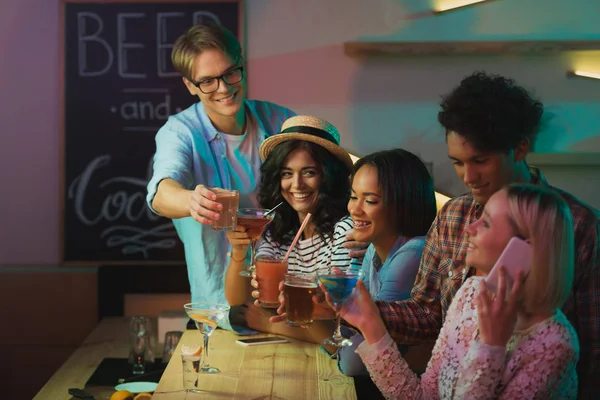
<point x="295" y="51"/>
<point x="29" y="141"/>
<point x="296" y="58"/>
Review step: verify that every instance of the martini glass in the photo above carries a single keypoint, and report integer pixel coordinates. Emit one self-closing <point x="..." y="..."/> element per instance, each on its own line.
<point x="339" y="284"/>
<point x="255" y="220"/>
<point x="206" y="316"/>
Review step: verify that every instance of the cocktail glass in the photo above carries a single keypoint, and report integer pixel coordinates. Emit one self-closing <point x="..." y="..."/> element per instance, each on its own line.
<point x="339" y="284"/>
<point x="255" y="220"/>
<point x="206" y="316"/>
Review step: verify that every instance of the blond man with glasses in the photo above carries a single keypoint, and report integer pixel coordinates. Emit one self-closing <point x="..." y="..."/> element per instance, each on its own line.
<point x="213" y="143"/>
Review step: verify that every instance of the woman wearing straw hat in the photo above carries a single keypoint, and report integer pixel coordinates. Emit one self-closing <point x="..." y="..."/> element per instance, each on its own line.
<point x="306" y="170"/>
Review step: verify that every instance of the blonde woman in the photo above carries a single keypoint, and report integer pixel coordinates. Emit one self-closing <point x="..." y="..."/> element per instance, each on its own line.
<point x="520" y="347"/>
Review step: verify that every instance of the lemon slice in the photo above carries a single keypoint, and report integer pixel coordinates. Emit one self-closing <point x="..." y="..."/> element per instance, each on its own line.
<point x="204" y="320"/>
<point x="122" y="395"/>
<point x="328" y="282"/>
<point x="191" y="350"/>
<point x="143" y="396"/>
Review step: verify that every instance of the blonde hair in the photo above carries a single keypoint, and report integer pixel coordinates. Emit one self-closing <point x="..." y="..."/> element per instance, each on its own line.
<point x="199" y="38"/>
<point x="544" y="218"/>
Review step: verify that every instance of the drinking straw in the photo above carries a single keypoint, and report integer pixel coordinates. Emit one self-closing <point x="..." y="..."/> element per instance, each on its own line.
<point x="297" y="236"/>
<point x="273" y="209"/>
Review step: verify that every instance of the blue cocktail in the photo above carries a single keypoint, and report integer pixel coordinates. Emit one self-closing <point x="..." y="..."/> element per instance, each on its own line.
<point x="339" y="285"/>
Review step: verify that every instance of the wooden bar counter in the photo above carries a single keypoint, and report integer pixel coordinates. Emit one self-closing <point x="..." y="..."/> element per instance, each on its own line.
<point x="108" y="339"/>
<point x="295" y="370"/>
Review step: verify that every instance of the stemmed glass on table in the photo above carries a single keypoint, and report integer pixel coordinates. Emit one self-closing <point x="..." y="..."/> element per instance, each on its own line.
<point x="206" y="316"/>
<point x="339" y="284"/>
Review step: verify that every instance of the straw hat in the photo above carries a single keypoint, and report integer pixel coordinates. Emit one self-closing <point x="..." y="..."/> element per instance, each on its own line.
<point x="310" y="129"/>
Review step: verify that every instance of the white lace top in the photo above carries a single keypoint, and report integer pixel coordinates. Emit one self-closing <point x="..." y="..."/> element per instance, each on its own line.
<point x="538" y="363"/>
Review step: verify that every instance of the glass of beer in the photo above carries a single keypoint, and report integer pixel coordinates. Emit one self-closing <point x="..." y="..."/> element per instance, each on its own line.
<point x="299" y="290"/>
<point x="230" y="200"/>
<point x="269" y="273"/>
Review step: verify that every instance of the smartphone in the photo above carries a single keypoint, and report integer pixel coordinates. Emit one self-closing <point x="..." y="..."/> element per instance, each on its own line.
<point x="515" y="256"/>
<point x="262" y="340"/>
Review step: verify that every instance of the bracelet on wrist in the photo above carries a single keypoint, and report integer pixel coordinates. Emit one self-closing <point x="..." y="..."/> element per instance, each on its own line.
<point x="233" y="259"/>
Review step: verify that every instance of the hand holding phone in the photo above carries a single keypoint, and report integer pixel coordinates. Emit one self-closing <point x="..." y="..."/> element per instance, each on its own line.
<point x="262" y="340"/>
<point x="517" y="255"/>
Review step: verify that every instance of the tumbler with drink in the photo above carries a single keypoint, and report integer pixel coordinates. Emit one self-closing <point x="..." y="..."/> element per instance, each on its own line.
<point x="190" y="358"/>
<point x="299" y="290"/>
<point x="270" y="271"/>
<point x="230" y="200"/>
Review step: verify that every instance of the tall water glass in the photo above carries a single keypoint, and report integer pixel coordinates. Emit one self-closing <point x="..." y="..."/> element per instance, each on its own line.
<point x="139" y="340"/>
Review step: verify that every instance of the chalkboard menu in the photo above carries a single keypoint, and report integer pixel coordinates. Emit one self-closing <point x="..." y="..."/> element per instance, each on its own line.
<point x="119" y="89"/>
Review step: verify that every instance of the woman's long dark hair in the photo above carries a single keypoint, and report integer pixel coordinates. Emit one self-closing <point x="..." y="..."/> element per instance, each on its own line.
<point x="407" y="190"/>
<point x="332" y="201"/>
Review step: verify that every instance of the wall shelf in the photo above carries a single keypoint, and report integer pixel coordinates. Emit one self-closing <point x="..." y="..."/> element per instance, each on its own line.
<point x="470" y="47"/>
<point x="564" y="159"/>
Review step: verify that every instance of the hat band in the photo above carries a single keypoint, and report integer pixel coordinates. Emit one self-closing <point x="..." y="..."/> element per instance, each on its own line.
<point x="311" y="131"/>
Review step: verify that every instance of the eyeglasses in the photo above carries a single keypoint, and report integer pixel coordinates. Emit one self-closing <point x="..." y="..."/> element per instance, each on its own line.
<point x="211" y="85"/>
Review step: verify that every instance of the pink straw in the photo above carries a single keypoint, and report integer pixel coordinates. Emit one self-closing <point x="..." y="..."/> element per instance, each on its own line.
<point x="297" y="236"/>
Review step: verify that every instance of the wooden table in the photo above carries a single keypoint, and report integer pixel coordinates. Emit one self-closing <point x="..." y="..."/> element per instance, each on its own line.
<point x="108" y="339"/>
<point x="294" y="370"/>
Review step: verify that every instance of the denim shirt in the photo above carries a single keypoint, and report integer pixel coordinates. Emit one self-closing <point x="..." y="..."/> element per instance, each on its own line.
<point x="190" y="150"/>
<point x="390" y="281"/>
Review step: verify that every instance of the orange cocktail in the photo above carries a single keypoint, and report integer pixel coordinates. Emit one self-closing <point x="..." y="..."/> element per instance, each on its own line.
<point x="269" y="273"/>
<point x="255" y="220"/>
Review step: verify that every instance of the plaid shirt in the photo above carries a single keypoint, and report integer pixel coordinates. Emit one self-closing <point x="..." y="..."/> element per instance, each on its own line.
<point x="443" y="270"/>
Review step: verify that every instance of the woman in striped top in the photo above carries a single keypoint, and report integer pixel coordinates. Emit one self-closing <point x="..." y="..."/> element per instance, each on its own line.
<point x="314" y="253"/>
<point x="306" y="170"/>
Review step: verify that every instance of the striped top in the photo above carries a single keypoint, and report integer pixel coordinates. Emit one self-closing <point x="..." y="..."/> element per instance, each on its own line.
<point x="313" y="255"/>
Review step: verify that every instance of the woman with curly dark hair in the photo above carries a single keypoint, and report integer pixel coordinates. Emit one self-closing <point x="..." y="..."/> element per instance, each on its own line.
<point x="327" y="203"/>
<point x="308" y="172"/>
